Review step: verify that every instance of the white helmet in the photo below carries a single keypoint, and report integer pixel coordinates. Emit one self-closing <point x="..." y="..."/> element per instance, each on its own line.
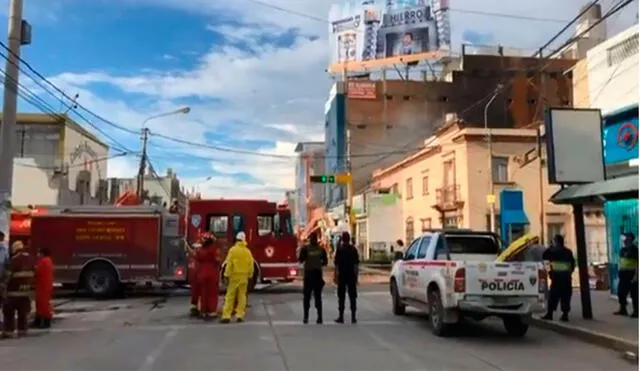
<point x="241" y="236"/>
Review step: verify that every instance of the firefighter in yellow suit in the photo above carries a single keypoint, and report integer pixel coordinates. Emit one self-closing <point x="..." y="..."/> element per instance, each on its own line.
<point x="239" y="269"/>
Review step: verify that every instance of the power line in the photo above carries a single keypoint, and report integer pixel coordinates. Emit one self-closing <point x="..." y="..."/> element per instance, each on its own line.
<point x="97" y="160"/>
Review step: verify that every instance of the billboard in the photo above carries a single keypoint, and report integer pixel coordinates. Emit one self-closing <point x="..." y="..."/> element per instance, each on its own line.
<point x="376" y="33"/>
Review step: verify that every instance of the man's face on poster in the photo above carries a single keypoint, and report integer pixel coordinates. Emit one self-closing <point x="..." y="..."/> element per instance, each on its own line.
<point x="407" y="39"/>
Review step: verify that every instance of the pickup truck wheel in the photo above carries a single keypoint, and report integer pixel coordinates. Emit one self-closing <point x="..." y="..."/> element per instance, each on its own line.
<point x="398" y="308"/>
<point x="515" y="326"/>
<point x="101" y="281"/>
<point x="436" y="315"/>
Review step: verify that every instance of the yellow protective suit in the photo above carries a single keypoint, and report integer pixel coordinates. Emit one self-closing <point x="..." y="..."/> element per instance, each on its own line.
<point x="239" y="269"/>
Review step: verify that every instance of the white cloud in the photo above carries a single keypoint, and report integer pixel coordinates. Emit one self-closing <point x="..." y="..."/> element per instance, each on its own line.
<point x="270" y="93"/>
<point x="122" y="167"/>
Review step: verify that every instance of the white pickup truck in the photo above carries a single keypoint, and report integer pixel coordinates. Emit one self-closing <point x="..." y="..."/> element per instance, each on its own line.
<point x="452" y="274"/>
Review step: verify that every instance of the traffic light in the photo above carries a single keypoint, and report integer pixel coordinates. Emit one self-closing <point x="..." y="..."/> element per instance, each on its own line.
<point x="337" y="178"/>
<point x="322" y="179"/>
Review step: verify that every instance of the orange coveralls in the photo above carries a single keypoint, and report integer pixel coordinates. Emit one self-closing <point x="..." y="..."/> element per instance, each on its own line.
<point x="44" y="288"/>
<point x="208" y="259"/>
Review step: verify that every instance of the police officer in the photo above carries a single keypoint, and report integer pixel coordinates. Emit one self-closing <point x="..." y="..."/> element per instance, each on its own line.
<point x="628" y="275"/>
<point x="314" y="258"/>
<point x="562" y="266"/>
<point x="346" y="263"/>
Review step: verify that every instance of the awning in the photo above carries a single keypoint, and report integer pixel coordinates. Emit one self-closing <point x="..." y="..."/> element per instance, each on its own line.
<point x="514" y="217"/>
<point x="621" y="188"/>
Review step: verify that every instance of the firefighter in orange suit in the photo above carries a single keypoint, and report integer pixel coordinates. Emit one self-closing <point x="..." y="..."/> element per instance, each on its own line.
<point x="194" y="284"/>
<point x="208" y="260"/>
<point x="20" y="279"/>
<point x="44" y="289"/>
<point x="239" y="271"/>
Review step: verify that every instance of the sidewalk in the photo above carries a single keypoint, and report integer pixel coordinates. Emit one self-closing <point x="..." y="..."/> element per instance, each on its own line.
<point x="605" y="329"/>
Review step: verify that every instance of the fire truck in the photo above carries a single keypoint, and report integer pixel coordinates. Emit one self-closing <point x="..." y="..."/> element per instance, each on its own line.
<point x="101" y="249"/>
<point x="268" y="228"/>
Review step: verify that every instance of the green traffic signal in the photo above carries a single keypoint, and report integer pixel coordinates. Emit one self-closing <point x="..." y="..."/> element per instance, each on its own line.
<point x="322" y="179"/>
<point x="332" y="179"/>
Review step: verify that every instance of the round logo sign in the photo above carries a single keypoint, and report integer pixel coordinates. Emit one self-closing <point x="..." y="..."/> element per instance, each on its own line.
<point x="628" y="136"/>
<point x="269" y="251"/>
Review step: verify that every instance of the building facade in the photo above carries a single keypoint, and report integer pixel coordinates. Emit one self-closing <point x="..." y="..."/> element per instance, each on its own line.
<point x="157" y="189"/>
<point x="335" y="142"/>
<point x="57" y="162"/>
<point x="310" y="161"/>
<point x="446" y="185"/>
<point x="390" y="118"/>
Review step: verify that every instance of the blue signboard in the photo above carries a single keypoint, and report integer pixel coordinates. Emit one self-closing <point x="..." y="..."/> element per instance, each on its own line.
<point x="620" y="136"/>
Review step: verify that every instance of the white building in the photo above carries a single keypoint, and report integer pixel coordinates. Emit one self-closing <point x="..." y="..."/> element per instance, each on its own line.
<point x="57" y="162"/>
<point x="158" y="189"/>
<point x="308" y="196"/>
<point x="608" y="77"/>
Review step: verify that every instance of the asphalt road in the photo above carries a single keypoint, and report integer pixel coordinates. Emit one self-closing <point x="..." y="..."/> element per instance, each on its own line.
<point x="154" y="333"/>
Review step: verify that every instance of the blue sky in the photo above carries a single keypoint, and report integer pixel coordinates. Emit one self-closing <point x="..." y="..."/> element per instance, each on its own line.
<point x="253" y="75"/>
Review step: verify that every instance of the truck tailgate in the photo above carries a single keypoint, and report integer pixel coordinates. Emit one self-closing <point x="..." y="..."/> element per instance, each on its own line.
<point x="502" y="279"/>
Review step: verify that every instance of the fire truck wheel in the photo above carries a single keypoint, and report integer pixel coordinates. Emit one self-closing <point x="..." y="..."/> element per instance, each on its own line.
<point x="101" y="280"/>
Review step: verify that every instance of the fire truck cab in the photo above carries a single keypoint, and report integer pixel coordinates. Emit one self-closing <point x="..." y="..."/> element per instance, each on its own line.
<point x="268" y="228"/>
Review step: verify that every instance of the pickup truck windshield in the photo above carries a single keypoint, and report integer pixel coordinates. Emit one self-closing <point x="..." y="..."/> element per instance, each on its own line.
<point x="472" y="245"/>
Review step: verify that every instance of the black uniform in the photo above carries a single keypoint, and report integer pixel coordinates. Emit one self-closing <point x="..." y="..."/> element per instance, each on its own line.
<point x="628" y="279"/>
<point x="562" y="266"/>
<point x="314" y="258"/>
<point x="346" y="264"/>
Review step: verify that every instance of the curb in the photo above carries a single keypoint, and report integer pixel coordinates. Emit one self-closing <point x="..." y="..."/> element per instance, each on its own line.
<point x="628" y="348"/>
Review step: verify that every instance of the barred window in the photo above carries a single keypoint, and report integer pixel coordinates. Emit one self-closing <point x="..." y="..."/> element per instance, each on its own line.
<point x="622" y="50"/>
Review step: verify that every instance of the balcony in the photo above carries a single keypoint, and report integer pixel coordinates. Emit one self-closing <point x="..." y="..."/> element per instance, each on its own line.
<point x="448" y="198"/>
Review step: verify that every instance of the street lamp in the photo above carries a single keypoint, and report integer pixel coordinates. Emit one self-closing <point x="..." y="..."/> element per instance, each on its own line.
<point x="491" y="198"/>
<point x="145" y="137"/>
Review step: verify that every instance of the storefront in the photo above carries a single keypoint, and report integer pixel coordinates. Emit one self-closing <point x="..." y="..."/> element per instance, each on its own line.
<point x="620" y="141"/>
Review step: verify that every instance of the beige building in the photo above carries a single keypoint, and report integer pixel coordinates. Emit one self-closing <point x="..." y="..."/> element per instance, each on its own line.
<point x="158" y="189"/>
<point x="447" y="183"/>
<point x="57" y="162"/>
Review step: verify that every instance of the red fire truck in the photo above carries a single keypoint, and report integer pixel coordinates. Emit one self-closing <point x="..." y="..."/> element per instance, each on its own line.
<point x="103" y="248"/>
<point x="267" y="226"/>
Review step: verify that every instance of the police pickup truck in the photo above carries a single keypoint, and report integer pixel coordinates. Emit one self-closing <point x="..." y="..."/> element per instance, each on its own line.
<point x="452" y="274"/>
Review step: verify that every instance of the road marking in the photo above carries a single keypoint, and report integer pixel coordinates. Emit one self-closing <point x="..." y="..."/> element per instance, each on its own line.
<point x="153" y="356"/>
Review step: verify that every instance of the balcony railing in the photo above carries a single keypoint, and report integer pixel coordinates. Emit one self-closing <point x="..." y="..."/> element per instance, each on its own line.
<point x="448" y="197"/>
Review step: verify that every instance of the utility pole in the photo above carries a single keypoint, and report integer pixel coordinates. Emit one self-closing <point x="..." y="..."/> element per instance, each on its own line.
<point x="143" y="163"/>
<point x="491" y="197"/>
<point x="9" y="111"/>
<point x="349" y="200"/>
<point x="541" y="201"/>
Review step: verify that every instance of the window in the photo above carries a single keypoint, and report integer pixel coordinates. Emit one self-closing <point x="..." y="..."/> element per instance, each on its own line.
<point x="472" y="244"/>
<point x="265" y="225"/>
<point x="500" y="168"/>
<point x="424" y="245"/>
<point x="218" y="225"/>
<point x="622" y="50"/>
<point x="412" y="250"/>
<point x="394" y="189"/>
<point x="276" y="224"/>
<point x="425" y="185"/>
<point x="238" y="224"/>
<point x="409" y="229"/>
<point x="554" y="229"/>
<point x="441" y="250"/>
<point x="409" y="188"/>
<point x="426" y="224"/>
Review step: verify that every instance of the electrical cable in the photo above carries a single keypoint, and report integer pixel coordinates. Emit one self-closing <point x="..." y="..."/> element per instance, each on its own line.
<point x="97" y="160"/>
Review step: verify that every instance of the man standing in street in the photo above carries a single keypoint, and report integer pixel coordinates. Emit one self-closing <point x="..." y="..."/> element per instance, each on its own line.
<point x="4" y="268"/>
<point x="346" y="263"/>
<point x="208" y="268"/>
<point x="314" y="259"/>
<point x="19" y="291"/>
<point x="628" y="275"/>
<point x="562" y="266"/>
<point x="239" y="270"/>
<point x="44" y="289"/>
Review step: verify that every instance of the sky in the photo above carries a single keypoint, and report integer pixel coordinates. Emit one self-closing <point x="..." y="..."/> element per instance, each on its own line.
<point x="252" y="73"/>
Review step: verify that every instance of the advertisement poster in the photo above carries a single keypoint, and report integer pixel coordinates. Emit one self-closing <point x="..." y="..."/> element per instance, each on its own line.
<point x="386" y="32"/>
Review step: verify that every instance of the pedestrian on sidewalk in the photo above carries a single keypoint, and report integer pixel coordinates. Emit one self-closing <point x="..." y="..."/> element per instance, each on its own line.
<point x="628" y="275"/>
<point x="19" y="291"/>
<point x="562" y="266"/>
<point x="5" y="255"/>
<point x="346" y="262"/>
<point x="314" y="259"/>
<point x="44" y="289"/>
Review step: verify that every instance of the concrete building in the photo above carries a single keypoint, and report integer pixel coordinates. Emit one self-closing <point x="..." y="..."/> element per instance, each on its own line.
<point x="308" y="196"/>
<point x="158" y="189"/>
<point x="390" y="118"/>
<point x="446" y="185"/>
<point x="607" y="78"/>
<point x="57" y="162"/>
<point x="586" y="40"/>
